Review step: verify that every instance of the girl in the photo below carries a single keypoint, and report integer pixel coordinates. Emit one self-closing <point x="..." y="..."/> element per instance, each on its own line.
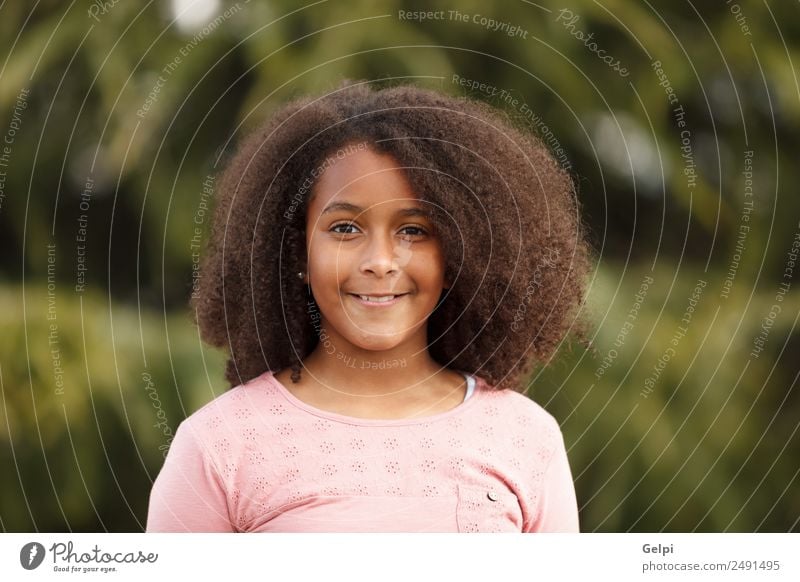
<point x="385" y="268"/>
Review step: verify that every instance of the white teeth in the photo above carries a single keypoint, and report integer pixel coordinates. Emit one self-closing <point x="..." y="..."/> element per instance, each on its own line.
<point x="377" y="299"/>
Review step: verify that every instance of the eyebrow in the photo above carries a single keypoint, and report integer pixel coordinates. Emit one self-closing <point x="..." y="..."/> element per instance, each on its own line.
<point x="349" y="207"/>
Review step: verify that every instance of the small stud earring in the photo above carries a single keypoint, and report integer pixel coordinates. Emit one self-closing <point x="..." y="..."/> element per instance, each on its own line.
<point x="300" y="275"/>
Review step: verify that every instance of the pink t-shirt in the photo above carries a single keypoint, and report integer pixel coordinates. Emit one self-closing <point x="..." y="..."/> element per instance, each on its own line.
<point x="258" y="459"/>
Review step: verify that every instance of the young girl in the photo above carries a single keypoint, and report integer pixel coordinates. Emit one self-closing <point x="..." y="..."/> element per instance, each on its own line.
<point x="385" y="268"/>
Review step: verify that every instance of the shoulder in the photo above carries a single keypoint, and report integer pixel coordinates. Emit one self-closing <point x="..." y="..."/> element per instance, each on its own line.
<point x="518" y="404"/>
<point x="522" y="415"/>
<point x="228" y="410"/>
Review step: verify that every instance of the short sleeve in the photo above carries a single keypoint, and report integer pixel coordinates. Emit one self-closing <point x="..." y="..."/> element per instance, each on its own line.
<point x="558" y="506"/>
<point x="188" y="494"/>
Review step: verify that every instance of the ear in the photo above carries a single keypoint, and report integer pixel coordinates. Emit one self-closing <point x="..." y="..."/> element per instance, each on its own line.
<point x="303" y="269"/>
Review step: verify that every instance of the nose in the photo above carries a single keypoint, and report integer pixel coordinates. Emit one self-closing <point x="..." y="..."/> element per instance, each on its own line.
<point x="383" y="255"/>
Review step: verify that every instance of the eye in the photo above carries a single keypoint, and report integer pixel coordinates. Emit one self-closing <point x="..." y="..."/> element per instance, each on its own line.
<point x="413" y="231"/>
<point x="343" y="225"/>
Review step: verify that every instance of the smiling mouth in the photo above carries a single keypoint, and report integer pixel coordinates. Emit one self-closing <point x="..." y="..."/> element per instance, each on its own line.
<point x="377" y="299"/>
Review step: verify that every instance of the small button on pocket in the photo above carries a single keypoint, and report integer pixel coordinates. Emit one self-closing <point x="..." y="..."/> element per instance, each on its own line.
<point x="487" y="509"/>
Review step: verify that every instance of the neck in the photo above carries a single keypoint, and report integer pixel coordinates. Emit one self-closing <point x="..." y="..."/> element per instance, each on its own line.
<point x="373" y="373"/>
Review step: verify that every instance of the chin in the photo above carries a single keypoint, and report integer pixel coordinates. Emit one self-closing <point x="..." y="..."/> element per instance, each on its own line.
<point x="377" y="343"/>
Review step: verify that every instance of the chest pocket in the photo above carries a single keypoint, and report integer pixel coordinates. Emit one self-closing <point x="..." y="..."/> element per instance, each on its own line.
<point x="487" y="510"/>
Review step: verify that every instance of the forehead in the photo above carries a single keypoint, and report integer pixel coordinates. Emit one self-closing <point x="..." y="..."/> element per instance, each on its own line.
<point x="363" y="178"/>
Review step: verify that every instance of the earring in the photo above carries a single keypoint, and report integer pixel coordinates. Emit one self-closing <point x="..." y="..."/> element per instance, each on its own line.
<point x="300" y="275"/>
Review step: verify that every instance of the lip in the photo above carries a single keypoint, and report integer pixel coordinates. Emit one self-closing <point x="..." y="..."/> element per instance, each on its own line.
<point x="375" y="305"/>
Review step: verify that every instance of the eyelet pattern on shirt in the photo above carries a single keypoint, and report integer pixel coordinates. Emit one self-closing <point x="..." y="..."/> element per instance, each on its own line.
<point x="457" y="464"/>
<point x="357" y="444"/>
<point x="285" y="429"/>
<point x="290" y="455"/>
<point x="427" y="466"/>
<point x="256" y="457"/>
<point x="222" y="446"/>
<point x="322" y="425"/>
<point x="243" y="413"/>
<point x="430" y="491"/>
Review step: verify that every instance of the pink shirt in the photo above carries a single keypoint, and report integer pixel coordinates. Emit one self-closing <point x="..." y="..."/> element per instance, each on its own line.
<point x="258" y="459"/>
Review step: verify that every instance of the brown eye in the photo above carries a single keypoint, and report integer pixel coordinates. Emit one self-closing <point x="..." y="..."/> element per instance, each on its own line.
<point x="411" y="232"/>
<point x="343" y="225"/>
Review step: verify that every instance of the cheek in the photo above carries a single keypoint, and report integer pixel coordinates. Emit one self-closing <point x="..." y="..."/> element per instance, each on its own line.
<point x="327" y="262"/>
<point x="428" y="266"/>
<point x="435" y="255"/>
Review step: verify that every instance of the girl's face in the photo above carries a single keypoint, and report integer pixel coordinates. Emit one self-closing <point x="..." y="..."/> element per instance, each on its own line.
<point x="375" y="265"/>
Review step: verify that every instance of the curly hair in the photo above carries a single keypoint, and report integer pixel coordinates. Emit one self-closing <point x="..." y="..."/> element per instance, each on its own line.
<point x="505" y="211"/>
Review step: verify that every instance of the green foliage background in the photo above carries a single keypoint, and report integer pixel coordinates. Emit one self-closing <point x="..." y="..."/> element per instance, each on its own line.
<point x="713" y="447"/>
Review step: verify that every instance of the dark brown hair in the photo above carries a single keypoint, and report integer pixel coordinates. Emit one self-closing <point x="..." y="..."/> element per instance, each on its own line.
<point x="505" y="212"/>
